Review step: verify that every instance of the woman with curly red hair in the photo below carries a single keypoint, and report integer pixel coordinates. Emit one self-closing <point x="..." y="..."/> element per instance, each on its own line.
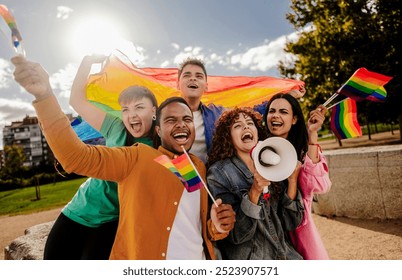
<point x="262" y="222"/>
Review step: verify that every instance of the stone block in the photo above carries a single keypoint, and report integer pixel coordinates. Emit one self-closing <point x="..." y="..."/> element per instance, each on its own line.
<point x="29" y="246"/>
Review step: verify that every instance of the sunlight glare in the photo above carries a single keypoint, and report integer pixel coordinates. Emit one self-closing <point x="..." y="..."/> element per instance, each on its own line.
<point x="96" y="35"/>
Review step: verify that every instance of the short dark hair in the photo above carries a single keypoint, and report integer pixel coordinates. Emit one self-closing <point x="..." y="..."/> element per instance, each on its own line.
<point x="174" y="99"/>
<point x="135" y="93"/>
<point x="191" y="61"/>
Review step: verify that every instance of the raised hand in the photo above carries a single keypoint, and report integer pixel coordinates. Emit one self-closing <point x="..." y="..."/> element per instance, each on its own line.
<point x="316" y="119"/>
<point x="32" y="77"/>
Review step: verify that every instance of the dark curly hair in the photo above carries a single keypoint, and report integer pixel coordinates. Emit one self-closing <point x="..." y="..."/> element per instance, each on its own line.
<point x="222" y="145"/>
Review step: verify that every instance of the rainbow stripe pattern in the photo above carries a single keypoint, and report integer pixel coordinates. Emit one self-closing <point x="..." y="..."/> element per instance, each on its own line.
<point x="344" y="122"/>
<point x="183" y="169"/>
<point x="365" y="85"/>
<point x="119" y="73"/>
<point x="8" y="17"/>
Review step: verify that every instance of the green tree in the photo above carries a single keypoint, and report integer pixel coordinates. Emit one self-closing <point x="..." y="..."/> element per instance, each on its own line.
<point x="14" y="160"/>
<point x="338" y="37"/>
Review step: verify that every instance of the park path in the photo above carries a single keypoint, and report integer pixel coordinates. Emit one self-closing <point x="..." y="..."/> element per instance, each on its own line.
<point x="345" y="239"/>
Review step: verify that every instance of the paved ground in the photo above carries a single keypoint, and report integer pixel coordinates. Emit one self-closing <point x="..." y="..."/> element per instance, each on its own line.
<point x="345" y="239"/>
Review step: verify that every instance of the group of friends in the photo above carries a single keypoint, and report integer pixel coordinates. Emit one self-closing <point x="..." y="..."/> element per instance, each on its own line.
<point x="131" y="207"/>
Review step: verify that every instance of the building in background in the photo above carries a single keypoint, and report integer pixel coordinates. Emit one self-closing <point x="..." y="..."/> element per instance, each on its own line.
<point x="28" y="135"/>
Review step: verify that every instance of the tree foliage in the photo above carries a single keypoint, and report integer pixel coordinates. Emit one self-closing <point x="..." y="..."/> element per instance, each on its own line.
<point x="338" y="37"/>
<point x="14" y="160"/>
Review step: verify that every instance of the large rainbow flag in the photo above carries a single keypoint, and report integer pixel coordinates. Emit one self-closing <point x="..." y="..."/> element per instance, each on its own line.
<point x="365" y="85"/>
<point x="344" y="122"/>
<point x="183" y="169"/>
<point x="119" y="73"/>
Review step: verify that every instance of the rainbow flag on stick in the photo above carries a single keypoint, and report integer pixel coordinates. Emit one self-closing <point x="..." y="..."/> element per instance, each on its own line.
<point x="344" y="122"/>
<point x="365" y="85"/>
<point x="185" y="170"/>
<point x="16" y="37"/>
<point x="119" y="73"/>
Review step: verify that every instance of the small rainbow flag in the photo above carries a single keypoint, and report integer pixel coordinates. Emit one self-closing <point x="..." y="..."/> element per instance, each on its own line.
<point x="344" y="122"/>
<point x="365" y="85"/>
<point x="183" y="169"/>
<point x="15" y="33"/>
<point x="119" y="73"/>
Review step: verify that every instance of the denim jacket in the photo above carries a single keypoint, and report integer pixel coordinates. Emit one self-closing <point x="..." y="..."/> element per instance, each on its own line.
<point x="261" y="231"/>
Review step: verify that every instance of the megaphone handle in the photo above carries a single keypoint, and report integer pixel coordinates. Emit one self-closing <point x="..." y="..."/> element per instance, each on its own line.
<point x="265" y="193"/>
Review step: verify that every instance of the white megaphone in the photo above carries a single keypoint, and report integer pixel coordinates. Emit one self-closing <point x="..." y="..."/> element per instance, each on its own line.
<point x="274" y="158"/>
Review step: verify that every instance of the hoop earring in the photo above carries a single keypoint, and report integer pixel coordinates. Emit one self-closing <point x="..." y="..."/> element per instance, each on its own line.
<point x="154" y="117"/>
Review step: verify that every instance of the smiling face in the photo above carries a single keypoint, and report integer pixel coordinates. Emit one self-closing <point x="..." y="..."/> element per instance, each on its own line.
<point x="280" y="118"/>
<point x="192" y="83"/>
<point x="176" y="127"/>
<point x="137" y="116"/>
<point x="244" y="133"/>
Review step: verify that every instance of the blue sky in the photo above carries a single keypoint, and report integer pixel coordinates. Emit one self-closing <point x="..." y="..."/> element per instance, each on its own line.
<point x="232" y="37"/>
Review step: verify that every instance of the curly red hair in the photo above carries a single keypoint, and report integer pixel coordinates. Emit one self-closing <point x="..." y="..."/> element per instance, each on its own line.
<point x="222" y="145"/>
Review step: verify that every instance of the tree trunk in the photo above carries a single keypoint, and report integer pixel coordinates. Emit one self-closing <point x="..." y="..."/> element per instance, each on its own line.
<point x="368" y="130"/>
<point x="400" y="127"/>
<point x="37" y="189"/>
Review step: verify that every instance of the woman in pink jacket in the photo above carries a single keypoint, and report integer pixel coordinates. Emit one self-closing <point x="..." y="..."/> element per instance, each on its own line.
<point x="284" y="118"/>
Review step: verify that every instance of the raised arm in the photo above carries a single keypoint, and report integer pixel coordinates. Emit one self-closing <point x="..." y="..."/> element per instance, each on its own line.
<point x="314" y="123"/>
<point x="75" y="156"/>
<point x="89" y="112"/>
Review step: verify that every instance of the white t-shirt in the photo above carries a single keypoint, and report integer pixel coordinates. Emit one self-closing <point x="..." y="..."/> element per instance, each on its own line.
<point x="185" y="240"/>
<point x="199" y="147"/>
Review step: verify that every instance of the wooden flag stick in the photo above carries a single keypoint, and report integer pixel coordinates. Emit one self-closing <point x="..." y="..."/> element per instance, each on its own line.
<point x="336" y="103"/>
<point x="332" y="97"/>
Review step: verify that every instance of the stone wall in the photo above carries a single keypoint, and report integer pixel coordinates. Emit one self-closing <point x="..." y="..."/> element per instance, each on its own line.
<point x="366" y="183"/>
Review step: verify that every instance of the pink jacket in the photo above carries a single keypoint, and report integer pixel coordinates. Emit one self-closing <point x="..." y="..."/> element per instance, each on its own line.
<point x="313" y="178"/>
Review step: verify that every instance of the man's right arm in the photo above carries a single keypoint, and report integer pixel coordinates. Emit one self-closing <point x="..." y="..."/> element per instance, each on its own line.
<point x="75" y="156"/>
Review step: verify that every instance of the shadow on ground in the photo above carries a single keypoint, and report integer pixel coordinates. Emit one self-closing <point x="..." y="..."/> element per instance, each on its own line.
<point x="390" y="226"/>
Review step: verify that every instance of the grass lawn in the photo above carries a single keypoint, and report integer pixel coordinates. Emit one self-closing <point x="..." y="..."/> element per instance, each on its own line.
<point x="23" y="201"/>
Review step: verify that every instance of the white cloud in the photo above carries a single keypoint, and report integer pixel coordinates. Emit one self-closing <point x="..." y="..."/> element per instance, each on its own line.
<point x="175" y="46"/>
<point x="264" y="57"/>
<point x="62" y="80"/>
<point x="63" y="12"/>
<point x="5" y="73"/>
<point x="261" y="58"/>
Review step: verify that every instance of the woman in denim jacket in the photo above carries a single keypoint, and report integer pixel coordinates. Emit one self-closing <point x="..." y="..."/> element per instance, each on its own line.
<point x="262" y="221"/>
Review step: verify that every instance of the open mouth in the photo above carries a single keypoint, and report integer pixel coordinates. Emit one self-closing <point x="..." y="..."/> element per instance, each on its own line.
<point x="136" y="125"/>
<point x="276" y="124"/>
<point x="192" y="86"/>
<point x="247" y="137"/>
<point x="181" y="137"/>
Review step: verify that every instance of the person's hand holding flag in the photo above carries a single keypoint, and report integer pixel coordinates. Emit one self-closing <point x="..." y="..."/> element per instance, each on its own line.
<point x="223" y="217"/>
